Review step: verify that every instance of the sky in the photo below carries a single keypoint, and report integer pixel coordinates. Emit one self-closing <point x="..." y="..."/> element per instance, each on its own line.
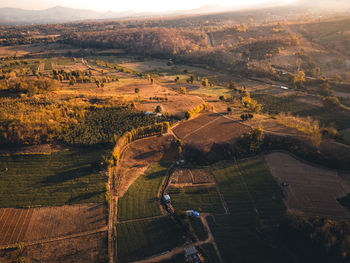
<point x="135" y="5"/>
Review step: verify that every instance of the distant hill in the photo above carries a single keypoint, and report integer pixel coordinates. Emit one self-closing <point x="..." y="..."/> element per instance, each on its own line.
<point x="60" y="14"/>
<point x="56" y="14"/>
<point x="326" y="5"/>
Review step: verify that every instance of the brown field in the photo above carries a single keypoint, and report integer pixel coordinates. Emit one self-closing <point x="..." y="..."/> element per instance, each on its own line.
<point x="140" y="154"/>
<point x="185" y="176"/>
<point x="209" y="128"/>
<point x="89" y="248"/>
<point x="124" y="90"/>
<point x="311" y="189"/>
<point x="23" y="225"/>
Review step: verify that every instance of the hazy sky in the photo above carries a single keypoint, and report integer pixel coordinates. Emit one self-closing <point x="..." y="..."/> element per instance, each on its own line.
<point x="137" y="5"/>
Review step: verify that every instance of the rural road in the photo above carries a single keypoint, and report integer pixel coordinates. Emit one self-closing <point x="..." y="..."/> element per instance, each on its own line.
<point x="168" y="255"/>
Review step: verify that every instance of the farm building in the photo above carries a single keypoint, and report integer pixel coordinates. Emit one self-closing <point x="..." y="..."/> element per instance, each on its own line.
<point x="192" y="213"/>
<point x="167" y="198"/>
<point x="192" y="255"/>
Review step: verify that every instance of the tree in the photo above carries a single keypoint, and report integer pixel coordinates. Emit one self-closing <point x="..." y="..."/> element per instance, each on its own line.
<point x="158" y="109"/>
<point x="233" y="85"/>
<point x="325" y="89"/>
<point x="331" y="103"/>
<point x="205" y="82"/>
<point x="297" y="80"/>
<point x="137" y="90"/>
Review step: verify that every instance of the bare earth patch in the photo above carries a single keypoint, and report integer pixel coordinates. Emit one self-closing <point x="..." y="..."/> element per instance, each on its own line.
<point x="311" y="189"/>
<point x="34" y="224"/>
<point x="140" y="154"/>
<point x="187" y="177"/>
<point x="209" y="128"/>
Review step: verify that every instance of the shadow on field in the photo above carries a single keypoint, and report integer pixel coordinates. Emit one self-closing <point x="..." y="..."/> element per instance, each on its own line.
<point x="84" y="196"/>
<point x="155" y="175"/>
<point x="68" y="175"/>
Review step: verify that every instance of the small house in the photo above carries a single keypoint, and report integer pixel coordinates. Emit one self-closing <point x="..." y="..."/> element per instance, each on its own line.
<point x="192" y="255"/>
<point x="192" y="213"/>
<point x="167" y="198"/>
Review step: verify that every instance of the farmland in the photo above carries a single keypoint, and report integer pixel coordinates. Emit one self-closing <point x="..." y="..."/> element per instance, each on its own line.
<point x="35" y="224"/>
<point x="66" y="177"/>
<point x="199" y="198"/>
<point x="209" y="128"/>
<point x="224" y="83"/>
<point x="141" y="199"/>
<point x="313" y="190"/>
<point x="147" y="237"/>
<point x="248" y="201"/>
<point x="89" y="248"/>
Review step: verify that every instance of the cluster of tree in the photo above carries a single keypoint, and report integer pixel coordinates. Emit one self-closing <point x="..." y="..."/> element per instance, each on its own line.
<point x="29" y="86"/>
<point x="105" y="124"/>
<point x="266" y="47"/>
<point x="251" y="104"/>
<point x="316" y="239"/>
<point x="111" y="65"/>
<point x="190" y="113"/>
<point x="246" y="116"/>
<point x="298" y="80"/>
<point x="136" y="133"/>
<point x="145" y="41"/>
<point x="32" y="121"/>
<point x="158" y="98"/>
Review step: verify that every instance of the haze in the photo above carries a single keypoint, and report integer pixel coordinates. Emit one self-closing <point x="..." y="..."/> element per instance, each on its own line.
<point x="137" y="5"/>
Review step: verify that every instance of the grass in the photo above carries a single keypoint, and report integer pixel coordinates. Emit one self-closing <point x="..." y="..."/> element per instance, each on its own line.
<point x="214" y="91"/>
<point x="199" y="198"/>
<point x="66" y="177"/>
<point x="198" y="229"/>
<point x="346" y="135"/>
<point x="209" y="253"/>
<point x="236" y="234"/>
<point x="141" y="199"/>
<point x="144" y="238"/>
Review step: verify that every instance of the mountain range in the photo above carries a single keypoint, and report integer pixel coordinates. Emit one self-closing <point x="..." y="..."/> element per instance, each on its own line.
<point x="60" y="14"/>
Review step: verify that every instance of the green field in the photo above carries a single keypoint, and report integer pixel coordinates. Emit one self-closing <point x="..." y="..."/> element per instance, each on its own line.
<point x="202" y="199"/>
<point x="144" y="238"/>
<point x="236" y="234"/>
<point x="66" y="177"/>
<point x="141" y="199"/>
